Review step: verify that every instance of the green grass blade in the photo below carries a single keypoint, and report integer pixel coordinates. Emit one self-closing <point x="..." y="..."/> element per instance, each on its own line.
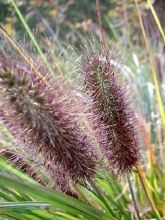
<point x="56" y="199"/>
<point x="8" y="167"/>
<point x="23" y="205"/>
<point x="32" y="38"/>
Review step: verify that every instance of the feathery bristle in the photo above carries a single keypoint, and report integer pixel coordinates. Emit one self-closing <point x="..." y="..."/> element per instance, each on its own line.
<point x="43" y="118"/>
<point x="111" y="108"/>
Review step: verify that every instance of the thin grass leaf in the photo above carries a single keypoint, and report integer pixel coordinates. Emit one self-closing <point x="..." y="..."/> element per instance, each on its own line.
<point x="23" y="205"/>
<point x="152" y="63"/>
<point x="56" y="199"/>
<point x="40" y="52"/>
<point x="156" y="19"/>
<point x="8" y="167"/>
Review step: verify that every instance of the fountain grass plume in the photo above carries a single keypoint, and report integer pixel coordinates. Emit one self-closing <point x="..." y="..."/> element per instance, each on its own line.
<point x="111" y="106"/>
<point x="43" y="120"/>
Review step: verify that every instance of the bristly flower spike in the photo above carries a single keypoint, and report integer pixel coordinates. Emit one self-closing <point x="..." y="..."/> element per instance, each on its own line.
<point x="43" y="119"/>
<point x="112" y="109"/>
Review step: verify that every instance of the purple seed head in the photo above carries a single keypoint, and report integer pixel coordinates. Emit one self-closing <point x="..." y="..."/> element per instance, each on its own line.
<point x="43" y="119"/>
<point x="112" y="109"/>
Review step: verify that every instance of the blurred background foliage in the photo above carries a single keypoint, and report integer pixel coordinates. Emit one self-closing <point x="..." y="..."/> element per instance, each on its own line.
<point x="64" y="20"/>
<point x="70" y="20"/>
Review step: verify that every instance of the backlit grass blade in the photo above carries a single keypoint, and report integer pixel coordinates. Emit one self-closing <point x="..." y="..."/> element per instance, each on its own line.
<point x="8" y="167"/>
<point x="152" y="63"/>
<point x="56" y="199"/>
<point x="40" y="52"/>
<point x="23" y="205"/>
<point x="22" y="52"/>
<point x="156" y="19"/>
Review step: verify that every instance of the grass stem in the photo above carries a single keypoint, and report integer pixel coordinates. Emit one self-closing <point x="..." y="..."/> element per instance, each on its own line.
<point x="98" y="191"/>
<point x="33" y="39"/>
<point x="153" y="68"/>
<point x="145" y="187"/>
<point x="133" y="197"/>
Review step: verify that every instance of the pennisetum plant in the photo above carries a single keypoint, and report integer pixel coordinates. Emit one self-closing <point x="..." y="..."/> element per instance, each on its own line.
<point x="113" y="114"/>
<point x="42" y="114"/>
<point x="111" y="107"/>
<point x="43" y="120"/>
<point x="42" y="117"/>
<point x="115" y="122"/>
<point x="112" y="111"/>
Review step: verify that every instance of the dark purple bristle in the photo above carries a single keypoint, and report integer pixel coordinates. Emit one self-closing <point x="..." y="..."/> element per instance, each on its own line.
<point x="43" y="119"/>
<point x="112" y="109"/>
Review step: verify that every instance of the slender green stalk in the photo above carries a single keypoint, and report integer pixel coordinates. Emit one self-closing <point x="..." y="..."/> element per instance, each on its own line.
<point x="151" y="59"/>
<point x="111" y="27"/>
<point x="133" y="197"/>
<point x="145" y="187"/>
<point x="98" y="191"/>
<point x="32" y="38"/>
